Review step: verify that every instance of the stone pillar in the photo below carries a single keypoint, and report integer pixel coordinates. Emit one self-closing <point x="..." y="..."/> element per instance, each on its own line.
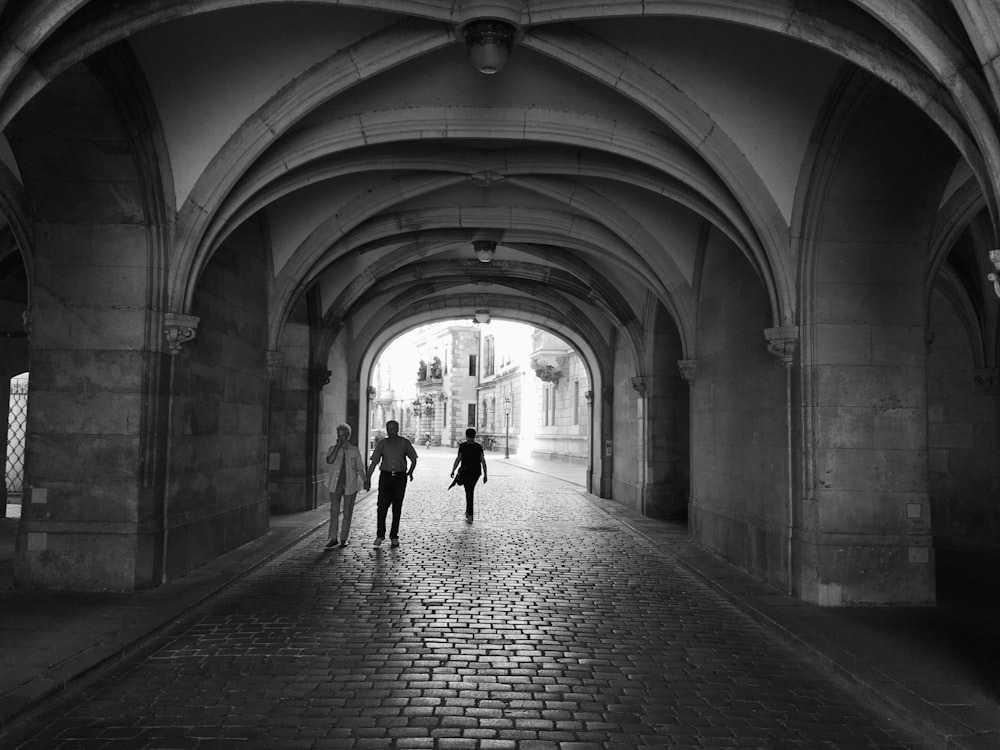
<point x="289" y="456"/>
<point x="783" y="342"/>
<point x="866" y="525"/>
<point x="90" y="518"/>
<point x="866" y="535"/>
<point x="606" y="434"/>
<point x="640" y="384"/>
<point x="668" y="481"/>
<point x="84" y="526"/>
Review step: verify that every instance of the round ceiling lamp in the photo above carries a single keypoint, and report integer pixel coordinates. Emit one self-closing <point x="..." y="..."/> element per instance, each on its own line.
<point x="488" y="44"/>
<point x="485" y="250"/>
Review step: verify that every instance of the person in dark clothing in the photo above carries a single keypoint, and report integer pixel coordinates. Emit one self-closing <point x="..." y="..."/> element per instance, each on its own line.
<point x="473" y="463"/>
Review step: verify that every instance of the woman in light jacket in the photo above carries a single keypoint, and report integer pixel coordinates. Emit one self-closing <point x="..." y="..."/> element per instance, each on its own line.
<point x="347" y="476"/>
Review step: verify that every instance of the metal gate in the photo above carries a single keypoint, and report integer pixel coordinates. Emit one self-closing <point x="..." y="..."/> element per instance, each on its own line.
<point x="16" y="428"/>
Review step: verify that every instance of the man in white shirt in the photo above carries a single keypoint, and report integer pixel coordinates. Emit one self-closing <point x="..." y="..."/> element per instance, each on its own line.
<point x="391" y="455"/>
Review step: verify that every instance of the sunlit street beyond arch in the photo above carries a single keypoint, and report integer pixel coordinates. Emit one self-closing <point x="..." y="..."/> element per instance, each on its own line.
<point x="547" y="624"/>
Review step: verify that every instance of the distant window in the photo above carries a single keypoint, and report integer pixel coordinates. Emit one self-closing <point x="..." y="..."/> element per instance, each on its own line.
<point x="472" y="365"/>
<point x="576" y="402"/>
<point x="472" y="414"/>
<point x="546" y="397"/>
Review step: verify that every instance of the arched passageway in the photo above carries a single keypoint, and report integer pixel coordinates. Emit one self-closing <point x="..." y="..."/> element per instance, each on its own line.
<point x="765" y="228"/>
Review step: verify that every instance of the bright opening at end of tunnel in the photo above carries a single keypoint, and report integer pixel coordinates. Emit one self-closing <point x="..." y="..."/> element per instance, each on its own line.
<point x="524" y="390"/>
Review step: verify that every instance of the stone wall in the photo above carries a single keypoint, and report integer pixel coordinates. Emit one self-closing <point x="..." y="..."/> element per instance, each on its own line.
<point x="739" y="503"/>
<point x="217" y="496"/>
<point x="964" y="476"/>
<point x="669" y="482"/>
<point x="864" y="520"/>
<point x="626" y="482"/>
<point x="89" y="523"/>
<point x="288" y="428"/>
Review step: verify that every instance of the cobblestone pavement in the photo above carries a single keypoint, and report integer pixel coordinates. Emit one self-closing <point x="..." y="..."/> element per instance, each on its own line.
<point x="545" y="625"/>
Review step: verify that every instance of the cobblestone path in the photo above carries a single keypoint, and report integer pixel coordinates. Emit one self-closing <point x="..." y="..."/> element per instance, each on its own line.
<point x="545" y="625"/>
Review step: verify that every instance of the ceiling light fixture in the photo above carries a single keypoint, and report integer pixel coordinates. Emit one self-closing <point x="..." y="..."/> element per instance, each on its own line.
<point x="488" y="44"/>
<point x="485" y="250"/>
<point x="482" y="317"/>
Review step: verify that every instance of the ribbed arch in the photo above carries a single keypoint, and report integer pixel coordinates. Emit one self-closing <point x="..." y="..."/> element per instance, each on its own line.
<point x="951" y="289"/>
<point x="627" y="235"/>
<point x="917" y="29"/>
<point x="949" y="64"/>
<point x="536" y="125"/>
<point x="981" y="19"/>
<point x="520" y="276"/>
<point x="954" y="218"/>
<point x="694" y="187"/>
<point x="323" y="81"/>
<point x="16" y="220"/>
<point x="28" y="31"/>
<point x="570" y="231"/>
<point x="875" y="54"/>
<point x="596" y="361"/>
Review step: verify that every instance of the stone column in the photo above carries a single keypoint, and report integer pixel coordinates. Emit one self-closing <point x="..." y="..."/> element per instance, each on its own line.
<point x="606" y="434"/>
<point x="288" y="449"/>
<point x="640" y="385"/>
<point x="84" y="525"/>
<point x="866" y="535"/>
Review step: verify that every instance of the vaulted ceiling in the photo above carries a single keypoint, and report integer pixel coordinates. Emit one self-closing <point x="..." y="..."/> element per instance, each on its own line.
<point x="616" y="142"/>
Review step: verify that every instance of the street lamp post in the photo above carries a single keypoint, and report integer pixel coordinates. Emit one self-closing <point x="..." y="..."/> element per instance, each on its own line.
<point x="506" y="411"/>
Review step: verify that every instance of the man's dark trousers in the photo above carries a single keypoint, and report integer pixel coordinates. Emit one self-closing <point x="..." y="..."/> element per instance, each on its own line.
<point x="391" y="490"/>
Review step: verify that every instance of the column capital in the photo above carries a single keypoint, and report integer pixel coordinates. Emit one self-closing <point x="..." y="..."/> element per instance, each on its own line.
<point x="995" y="276"/>
<point x="782" y="342"/>
<point x="985" y="378"/>
<point x="319" y="377"/>
<point x="688" y="369"/>
<point x="639" y="383"/>
<point x="275" y="363"/>
<point x="179" y="329"/>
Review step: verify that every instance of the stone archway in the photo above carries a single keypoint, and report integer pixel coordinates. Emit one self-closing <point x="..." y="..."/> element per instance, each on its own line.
<point x="862" y="501"/>
<point x="93" y="455"/>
